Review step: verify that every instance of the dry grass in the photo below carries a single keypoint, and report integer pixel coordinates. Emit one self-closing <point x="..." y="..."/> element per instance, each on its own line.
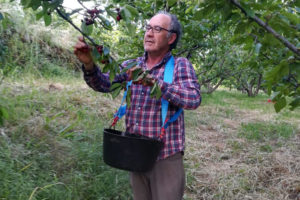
<point x="222" y="165"/>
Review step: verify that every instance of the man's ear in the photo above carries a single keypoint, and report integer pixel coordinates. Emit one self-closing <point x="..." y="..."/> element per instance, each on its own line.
<point x="172" y="38"/>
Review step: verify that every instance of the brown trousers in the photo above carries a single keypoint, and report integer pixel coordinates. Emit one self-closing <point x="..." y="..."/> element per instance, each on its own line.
<point x="166" y="180"/>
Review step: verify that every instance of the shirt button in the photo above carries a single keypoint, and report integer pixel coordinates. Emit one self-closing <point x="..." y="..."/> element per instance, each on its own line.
<point x="137" y="123"/>
<point x="139" y="108"/>
<point x="143" y="93"/>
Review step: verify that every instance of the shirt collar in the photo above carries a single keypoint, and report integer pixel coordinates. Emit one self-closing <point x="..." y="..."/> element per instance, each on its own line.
<point x="161" y="63"/>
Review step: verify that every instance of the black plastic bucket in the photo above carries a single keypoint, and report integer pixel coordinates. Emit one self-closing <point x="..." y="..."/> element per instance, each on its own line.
<point x="130" y="151"/>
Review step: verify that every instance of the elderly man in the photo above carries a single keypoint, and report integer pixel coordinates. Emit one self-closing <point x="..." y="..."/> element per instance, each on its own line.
<point x="166" y="180"/>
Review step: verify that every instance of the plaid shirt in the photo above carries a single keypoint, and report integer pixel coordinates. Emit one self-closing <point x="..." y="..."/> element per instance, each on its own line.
<point x="144" y="114"/>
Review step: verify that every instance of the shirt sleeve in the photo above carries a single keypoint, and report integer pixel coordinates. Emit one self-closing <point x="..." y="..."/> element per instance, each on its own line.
<point x="99" y="81"/>
<point x="184" y="91"/>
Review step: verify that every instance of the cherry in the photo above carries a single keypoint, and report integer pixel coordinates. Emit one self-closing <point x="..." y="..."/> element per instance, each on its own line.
<point x="104" y="61"/>
<point x="119" y="17"/>
<point x="93" y="12"/>
<point x="100" y="49"/>
<point x="88" y="21"/>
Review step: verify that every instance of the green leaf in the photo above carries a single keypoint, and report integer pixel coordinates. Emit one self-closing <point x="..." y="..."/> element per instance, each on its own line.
<point x="257" y="48"/>
<point x="112" y="75"/>
<point x="115" y="86"/>
<point x="171" y="2"/>
<point x="126" y="15"/>
<point x="133" y="11"/>
<point x="130" y="65"/>
<point x="128" y="97"/>
<point x="116" y="92"/>
<point x="39" y="15"/>
<point x="136" y="73"/>
<point x="189" y="9"/>
<point x="280" y="103"/>
<point x="198" y="16"/>
<point x="153" y="91"/>
<point x="277" y="72"/>
<point x="248" y="10"/>
<point x="47" y="19"/>
<point x="106" y="68"/>
<point x="87" y="29"/>
<point x="131" y="28"/>
<point x="111" y="13"/>
<point x="295" y="103"/>
<point x="105" y="51"/>
<point x="105" y="22"/>
<point x="35" y="4"/>
<point x="275" y="96"/>
<point x="96" y="55"/>
<point x="158" y="91"/>
<point x="25" y="3"/>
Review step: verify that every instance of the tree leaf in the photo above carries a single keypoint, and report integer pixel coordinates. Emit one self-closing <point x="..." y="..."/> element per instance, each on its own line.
<point x="136" y="73"/>
<point x="295" y="103"/>
<point x="112" y="75"/>
<point x="39" y="15"/>
<point x="96" y="55"/>
<point x="115" y="86"/>
<point x="133" y="11"/>
<point x="153" y="91"/>
<point x="128" y="97"/>
<point x="248" y="10"/>
<point x="171" y="2"/>
<point x="105" y="22"/>
<point x="35" y="4"/>
<point x="280" y="103"/>
<point x="257" y="48"/>
<point x="126" y="15"/>
<point x="116" y="92"/>
<point x="130" y="65"/>
<point x="87" y="29"/>
<point x="105" y="51"/>
<point x="158" y="91"/>
<point x="47" y="19"/>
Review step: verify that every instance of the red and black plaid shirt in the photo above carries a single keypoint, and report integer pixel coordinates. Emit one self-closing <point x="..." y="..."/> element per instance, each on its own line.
<point x="144" y="114"/>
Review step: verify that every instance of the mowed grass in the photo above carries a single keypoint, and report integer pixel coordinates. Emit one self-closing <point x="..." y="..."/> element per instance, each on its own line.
<point x="240" y="148"/>
<point x="51" y="145"/>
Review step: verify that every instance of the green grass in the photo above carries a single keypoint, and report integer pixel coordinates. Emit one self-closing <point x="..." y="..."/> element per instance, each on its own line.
<point x="261" y="131"/>
<point x="51" y="145"/>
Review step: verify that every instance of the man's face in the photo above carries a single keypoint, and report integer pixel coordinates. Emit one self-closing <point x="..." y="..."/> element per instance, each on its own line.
<point x="157" y="42"/>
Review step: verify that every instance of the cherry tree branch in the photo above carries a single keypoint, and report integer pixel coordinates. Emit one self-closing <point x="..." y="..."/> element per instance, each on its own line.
<point x="263" y="24"/>
<point x="78" y="29"/>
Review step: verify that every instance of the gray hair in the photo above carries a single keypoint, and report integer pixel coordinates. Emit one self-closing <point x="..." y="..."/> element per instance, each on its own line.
<point x="174" y="26"/>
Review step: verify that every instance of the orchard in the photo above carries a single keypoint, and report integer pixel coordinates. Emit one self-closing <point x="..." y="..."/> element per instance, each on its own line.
<point x="252" y="46"/>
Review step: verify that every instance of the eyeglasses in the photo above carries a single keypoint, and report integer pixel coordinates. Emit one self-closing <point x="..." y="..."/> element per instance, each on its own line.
<point x="157" y="29"/>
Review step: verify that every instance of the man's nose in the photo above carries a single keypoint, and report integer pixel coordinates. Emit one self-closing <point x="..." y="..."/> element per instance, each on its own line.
<point x="149" y="33"/>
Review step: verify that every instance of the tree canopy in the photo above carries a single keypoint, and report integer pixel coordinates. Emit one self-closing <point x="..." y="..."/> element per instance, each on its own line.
<point x="248" y="45"/>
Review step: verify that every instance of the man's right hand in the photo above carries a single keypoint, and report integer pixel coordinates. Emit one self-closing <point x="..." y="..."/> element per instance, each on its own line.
<point x="83" y="53"/>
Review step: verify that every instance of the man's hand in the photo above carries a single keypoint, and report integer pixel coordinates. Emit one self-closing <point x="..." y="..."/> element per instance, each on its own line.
<point x="139" y="76"/>
<point x="83" y="53"/>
